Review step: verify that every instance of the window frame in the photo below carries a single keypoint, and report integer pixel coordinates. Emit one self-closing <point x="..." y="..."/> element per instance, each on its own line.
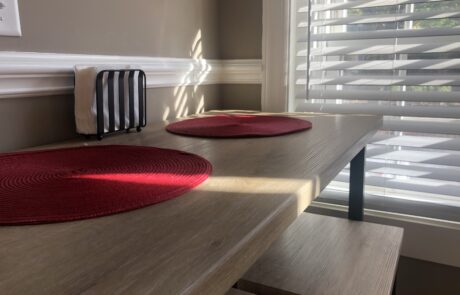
<point x="277" y="97"/>
<point x="275" y="55"/>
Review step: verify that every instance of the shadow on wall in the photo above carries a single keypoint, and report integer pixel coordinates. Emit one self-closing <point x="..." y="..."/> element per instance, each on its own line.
<point x="189" y="98"/>
<point x="33" y="121"/>
<point x="172" y="103"/>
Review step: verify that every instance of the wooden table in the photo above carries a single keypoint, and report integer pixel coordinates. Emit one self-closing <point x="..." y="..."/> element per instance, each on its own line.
<point x="200" y="243"/>
<point x="320" y="254"/>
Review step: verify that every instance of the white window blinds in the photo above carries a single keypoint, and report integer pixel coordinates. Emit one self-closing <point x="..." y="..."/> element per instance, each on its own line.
<point x="397" y="58"/>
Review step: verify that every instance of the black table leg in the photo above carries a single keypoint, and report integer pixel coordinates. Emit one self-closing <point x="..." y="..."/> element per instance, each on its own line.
<point x="393" y="291"/>
<point x="356" y="197"/>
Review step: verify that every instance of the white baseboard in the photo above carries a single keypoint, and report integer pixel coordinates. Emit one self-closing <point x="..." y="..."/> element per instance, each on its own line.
<point x="25" y="74"/>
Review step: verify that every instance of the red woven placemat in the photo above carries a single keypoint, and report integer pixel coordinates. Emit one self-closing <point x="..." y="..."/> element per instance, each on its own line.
<point x="79" y="183"/>
<point x="233" y="126"/>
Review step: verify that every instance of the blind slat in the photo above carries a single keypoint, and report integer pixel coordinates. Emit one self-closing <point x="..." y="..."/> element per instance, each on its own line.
<point x="449" y="127"/>
<point x="381" y="18"/>
<point x="413" y="64"/>
<point x="414" y="155"/>
<point x="386" y="80"/>
<point x="385" y="110"/>
<point x="347" y="49"/>
<point x="415" y="96"/>
<point x="402" y="33"/>
<point x="421" y="141"/>
<point x="445" y="192"/>
<point x="438" y="172"/>
<point x="362" y="4"/>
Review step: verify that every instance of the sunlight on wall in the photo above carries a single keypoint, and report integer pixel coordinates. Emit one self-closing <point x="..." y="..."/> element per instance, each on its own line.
<point x="200" y="108"/>
<point x="197" y="47"/>
<point x="166" y="113"/>
<point x="184" y="95"/>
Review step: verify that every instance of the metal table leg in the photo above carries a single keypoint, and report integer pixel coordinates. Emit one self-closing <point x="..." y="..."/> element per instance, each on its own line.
<point x="356" y="197"/>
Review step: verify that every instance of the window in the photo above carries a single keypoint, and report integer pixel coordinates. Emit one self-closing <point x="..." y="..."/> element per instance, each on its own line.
<point x="399" y="59"/>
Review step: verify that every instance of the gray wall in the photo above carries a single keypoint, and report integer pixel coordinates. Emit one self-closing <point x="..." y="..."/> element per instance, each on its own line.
<point x="33" y="121"/>
<point x="240" y="23"/>
<point x="227" y="29"/>
<point x="120" y="27"/>
<point x="240" y="27"/>
<point x="240" y="97"/>
<point x="165" y="28"/>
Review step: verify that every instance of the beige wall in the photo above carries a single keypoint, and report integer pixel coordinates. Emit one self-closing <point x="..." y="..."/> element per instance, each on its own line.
<point x="240" y="97"/>
<point x="121" y="27"/>
<point x="240" y="23"/>
<point x="32" y="121"/>
<point x="228" y="29"/>
<point x="167" y="28"/>
<point x="240" y="27"/>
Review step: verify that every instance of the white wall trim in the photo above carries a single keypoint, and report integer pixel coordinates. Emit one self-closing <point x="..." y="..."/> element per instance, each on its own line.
<point x="275" y="55"/>
<point x="26" y="74"/>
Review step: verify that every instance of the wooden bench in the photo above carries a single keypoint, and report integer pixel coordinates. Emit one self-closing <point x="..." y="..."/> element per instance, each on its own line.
<point x="328" y="255"/>
<point x="234" y="291"/>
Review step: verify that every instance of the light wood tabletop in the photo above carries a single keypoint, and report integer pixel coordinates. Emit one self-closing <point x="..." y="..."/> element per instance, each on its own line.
<point x="327" y="255"/>
<point x="199" y="243"/>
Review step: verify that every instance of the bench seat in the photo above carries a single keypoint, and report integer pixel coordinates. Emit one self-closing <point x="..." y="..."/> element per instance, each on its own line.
<point x="327" y="255"/>
<point x="234" y="291"/>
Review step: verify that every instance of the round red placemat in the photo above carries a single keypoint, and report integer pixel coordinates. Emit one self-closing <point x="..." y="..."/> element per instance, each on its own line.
<point x="232" y="126"/>
<point x="79" y="183"/>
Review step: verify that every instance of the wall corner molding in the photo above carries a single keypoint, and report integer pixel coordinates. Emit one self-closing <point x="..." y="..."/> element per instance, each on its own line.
<point x="275" y="55"/>
<point x="29" y="74"/>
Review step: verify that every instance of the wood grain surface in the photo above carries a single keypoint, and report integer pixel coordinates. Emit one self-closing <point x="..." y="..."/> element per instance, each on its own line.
<point x="328" y="255"/>
<point x="237" y="292"/>
<point x="199" y="243"/>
